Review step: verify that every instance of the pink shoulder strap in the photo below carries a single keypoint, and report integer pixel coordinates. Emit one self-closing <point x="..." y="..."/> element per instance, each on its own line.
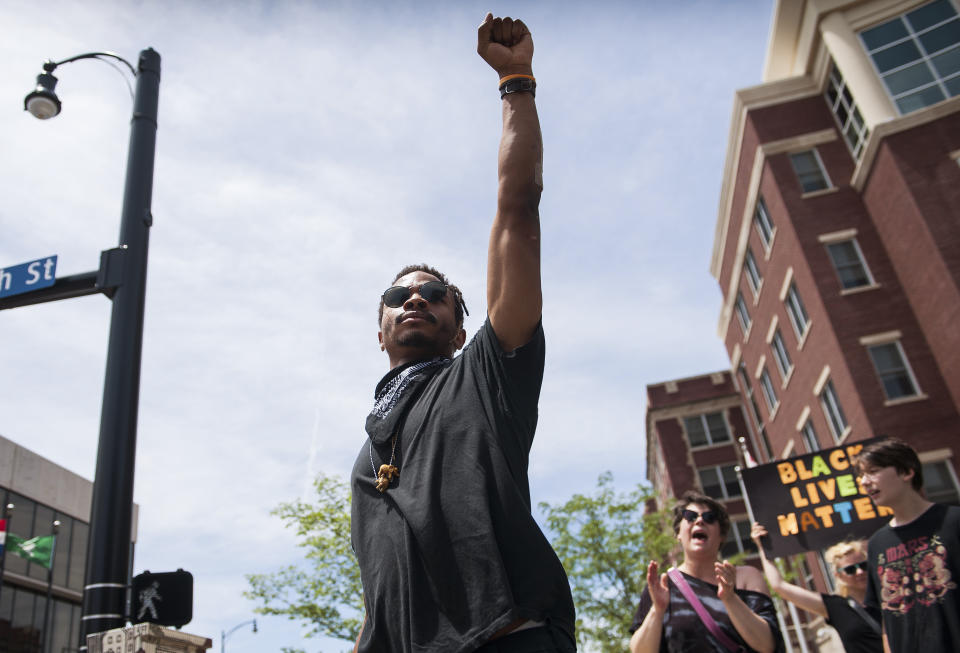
<point x="701" y="611"/>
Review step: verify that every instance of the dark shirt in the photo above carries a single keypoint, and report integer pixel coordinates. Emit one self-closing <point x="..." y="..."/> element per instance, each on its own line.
<point x="913" y="578"/>
<point x="685" y="632"/>
<point x="855" y="633"/>
<point x="450" y="553"/>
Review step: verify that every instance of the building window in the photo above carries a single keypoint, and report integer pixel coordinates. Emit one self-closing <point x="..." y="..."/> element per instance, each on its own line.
<point x="755" y="411"/>
<point x="720" y="482"/>
<point x="768" y="393"/>
<point x="750" y="270"/>
<point x="848" y="262"/>
<point x="939" y="483"/>
<point x="845" y="110"/>
<point x="892" y="368"/>
<point x="784" y="364"/>
<point x="810" y="171"/>
<point x="761" y="220"/>
<point x="706" y="429"/>
<point x="917" y="55"/>
<point x="810" y="437"/>
<point x="742" y="314"/>
<point x="738" y="539"/>
<point x="796" y="311"/>
<point x="833" y="411"/>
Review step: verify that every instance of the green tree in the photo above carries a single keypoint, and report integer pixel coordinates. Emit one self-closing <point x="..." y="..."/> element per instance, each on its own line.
<point x="324" y="592"/>
<point x="605" y="541"/>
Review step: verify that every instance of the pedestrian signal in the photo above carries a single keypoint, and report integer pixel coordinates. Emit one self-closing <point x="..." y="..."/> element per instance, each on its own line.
<point x="165" y="599"/>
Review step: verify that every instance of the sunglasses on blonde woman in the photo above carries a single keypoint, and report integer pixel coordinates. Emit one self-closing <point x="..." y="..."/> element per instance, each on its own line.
<point x="850" y="570"/>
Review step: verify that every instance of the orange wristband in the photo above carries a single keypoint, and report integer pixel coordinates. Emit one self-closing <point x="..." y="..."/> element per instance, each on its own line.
<point x="504" y="80"/>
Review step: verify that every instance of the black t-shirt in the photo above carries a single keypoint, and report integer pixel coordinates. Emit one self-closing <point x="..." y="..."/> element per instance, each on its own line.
<point x="450" y="553"/>
<point x="913" y="578"/>
<point x="685" y="632"/>
<point x="855" y="633"/>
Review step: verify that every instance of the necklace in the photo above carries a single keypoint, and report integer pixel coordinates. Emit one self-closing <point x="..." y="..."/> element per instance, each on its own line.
<point x="387" y="472"/>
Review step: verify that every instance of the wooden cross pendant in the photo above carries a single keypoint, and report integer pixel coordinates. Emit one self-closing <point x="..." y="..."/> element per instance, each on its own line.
<point x="386" y="474"/>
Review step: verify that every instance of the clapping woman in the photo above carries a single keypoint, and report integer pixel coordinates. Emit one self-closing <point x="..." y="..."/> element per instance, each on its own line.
<point x="705" y="604"/>
<point x="859" y="631"/>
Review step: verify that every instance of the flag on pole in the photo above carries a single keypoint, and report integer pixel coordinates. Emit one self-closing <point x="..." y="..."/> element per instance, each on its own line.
<point x="3" y="534"/>
<point x="36" y="549"/>
<point x="748" y="458"/>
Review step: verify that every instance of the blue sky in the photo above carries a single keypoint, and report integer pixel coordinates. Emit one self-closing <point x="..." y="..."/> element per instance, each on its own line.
<point x="305" y="152"/>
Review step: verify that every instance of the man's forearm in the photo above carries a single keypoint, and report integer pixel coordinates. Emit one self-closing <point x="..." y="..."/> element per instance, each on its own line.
<point x="521" y="158"/>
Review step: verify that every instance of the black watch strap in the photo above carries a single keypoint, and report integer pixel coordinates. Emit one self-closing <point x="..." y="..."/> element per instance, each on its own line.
<point x="518" y="85"/>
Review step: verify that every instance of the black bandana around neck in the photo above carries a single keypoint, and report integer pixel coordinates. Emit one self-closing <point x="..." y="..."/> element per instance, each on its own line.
<point x="393" y="397"/>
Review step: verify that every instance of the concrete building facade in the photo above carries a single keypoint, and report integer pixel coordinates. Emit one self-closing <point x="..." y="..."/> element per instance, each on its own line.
<point x="43" y="492"/>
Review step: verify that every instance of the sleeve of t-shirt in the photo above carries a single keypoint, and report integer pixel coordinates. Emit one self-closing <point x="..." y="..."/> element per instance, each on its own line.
<point x="762" y="606"/>
<point x="512" y="378"/>
<point x="642" y="610"/>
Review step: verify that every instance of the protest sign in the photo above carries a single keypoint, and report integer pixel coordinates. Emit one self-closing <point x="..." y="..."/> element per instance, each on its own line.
<point x="812" y="501"/>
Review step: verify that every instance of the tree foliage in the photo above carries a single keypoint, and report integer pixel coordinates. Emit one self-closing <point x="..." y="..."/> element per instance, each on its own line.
<point x="324" y="592"/>
<point x="605" y="541"/>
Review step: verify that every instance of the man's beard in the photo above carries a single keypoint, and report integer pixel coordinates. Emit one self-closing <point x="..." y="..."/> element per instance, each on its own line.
<point x="419" y="340"/>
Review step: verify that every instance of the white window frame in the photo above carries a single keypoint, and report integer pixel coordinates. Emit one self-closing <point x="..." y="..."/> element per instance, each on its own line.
<point x="781" y="356"/>
<point x="744" y="543"/>
<point x="833" y="411"/>
<point x="950" y="474"/>
<point x="860" y="260"/>
<point x="853" y="127"/>
<point x="824" y="177"/>
<point x="752" y="273"/>
<point x="809" y="435"/>
<point x="718" y="470"/>
<point x="705" y="425"/>
<point x="769" y="394"/>
<point x="763" y="224"/>
<point x="796" y="310"/>
<point x="904" y="362"/>
<point x="743" y="315"/>
<point x="925" y="61"/>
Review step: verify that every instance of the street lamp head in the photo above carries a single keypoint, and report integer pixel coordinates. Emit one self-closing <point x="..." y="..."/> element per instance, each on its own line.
<point x="43" y="103"/>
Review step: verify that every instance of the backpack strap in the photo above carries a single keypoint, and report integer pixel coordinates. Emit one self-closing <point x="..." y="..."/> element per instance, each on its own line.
<point x="863" y="614"/>
<point x="701" y="611"/>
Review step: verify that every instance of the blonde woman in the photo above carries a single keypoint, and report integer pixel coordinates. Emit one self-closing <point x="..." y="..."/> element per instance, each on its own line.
<point x="859" y="631"/>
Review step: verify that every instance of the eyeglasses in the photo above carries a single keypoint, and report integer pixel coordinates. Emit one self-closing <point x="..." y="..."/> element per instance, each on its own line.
<point x="432" y="291"/>
<point x="850" y="570"/>
<point x="709" y="517"/>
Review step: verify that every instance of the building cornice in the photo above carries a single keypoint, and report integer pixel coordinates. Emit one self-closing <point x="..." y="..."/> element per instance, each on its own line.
<point x="746" y="100"/>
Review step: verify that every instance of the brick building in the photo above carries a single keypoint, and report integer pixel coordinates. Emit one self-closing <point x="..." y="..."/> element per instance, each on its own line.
<point x="837" y="252"/>
<point x="837" y="246"/>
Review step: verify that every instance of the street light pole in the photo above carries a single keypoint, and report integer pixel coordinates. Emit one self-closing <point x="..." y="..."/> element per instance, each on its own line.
<point x="111" y="518"/>
<point x="225" y="634"/>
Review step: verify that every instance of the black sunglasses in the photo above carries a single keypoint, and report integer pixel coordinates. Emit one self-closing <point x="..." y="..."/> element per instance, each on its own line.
<point x="709" y="517"/>
<point x="850" y="570"/>
<point x="432" y="291"/>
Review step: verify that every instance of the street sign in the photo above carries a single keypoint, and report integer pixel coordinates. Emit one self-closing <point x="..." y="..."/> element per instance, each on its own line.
<point x="32" y="275"/>
<point x="165" y="598"/>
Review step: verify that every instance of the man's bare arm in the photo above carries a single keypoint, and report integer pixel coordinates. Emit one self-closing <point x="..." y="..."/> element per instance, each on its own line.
<point x="514" y="298"/>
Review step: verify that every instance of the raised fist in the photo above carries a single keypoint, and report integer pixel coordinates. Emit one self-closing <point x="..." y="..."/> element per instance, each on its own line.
<point x="506" y="45"/>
